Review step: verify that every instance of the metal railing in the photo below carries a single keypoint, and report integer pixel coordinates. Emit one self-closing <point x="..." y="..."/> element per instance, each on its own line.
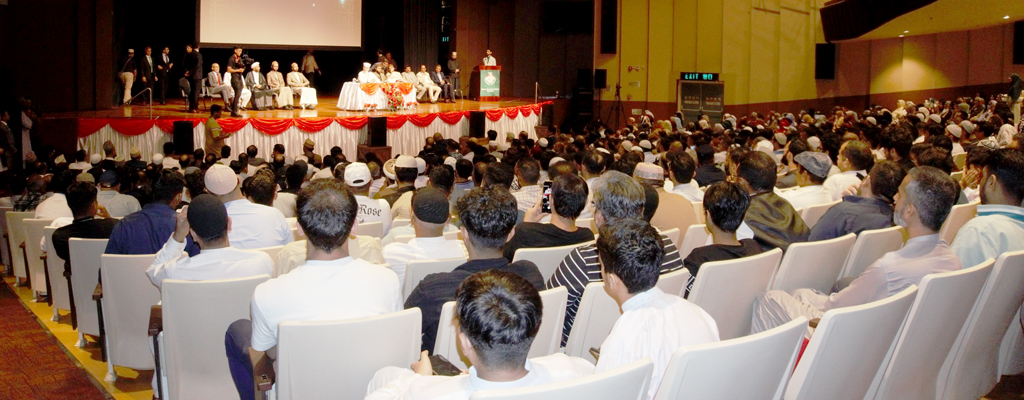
<point x="146" y="91"/>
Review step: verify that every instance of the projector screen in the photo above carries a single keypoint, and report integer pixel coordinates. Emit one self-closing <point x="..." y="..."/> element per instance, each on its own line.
<point x="281" y="23"/>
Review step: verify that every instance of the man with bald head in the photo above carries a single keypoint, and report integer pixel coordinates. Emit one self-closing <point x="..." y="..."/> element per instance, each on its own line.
<point x="280" y="88"/>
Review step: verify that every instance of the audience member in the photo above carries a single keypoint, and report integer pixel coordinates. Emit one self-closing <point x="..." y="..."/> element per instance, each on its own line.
<point x="429" y="219"/>
<point x="527" y="173"/>
<point x="256" y="226"/>
<point x="854" y="161"/>
<point x="999" y="226"/>
<point x="568" y="197"/>
<point x="56" y="206"/>
<point x="681" y="171"/>
<point x="812" y="170"/>
<point x="357" y="177"/>
<point x="725" y="204"/>
<point x="871" y="208"/>
<point x="772" y="218"/>
<point x="81" y="198"/>
<point x="146" y="231"/>
<point x="671" y="211"/>
<point x="117" y="205"/>
<point x="404" y="169"/>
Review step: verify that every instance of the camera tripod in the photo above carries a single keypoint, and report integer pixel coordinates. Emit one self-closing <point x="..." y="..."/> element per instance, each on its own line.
<point x="616" y="110"/>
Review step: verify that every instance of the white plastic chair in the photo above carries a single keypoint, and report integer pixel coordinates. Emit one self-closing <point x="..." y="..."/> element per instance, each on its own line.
<point x="58" y="283"/>
<point x="674" y="282"/>
<point x="628" y="382"/>
<point x="85" y="271"/>
<point x="375" y="229"/>
<point x="33" y="235"/>
<point x="453" y="235"/>
<point x="960" y="160"/>
<point x="5" y="250"/>
<point x="726" y="290"/>
<point x="192" y="350"/>
<point x="972" y="369"/>
<point x="399" y="222"/>
<point x="673" y="235"/>
<point x="595" y="318"/>
<point x="296" y="236"/>
<point x="445" y="343"/>
<point x="750" y="367"/>
<point x="869" y="247"/>
<point x="958" y="216"/>
<point x="1011" y="350"/>
<point x="847" y="350"/>
<point x="813" y="265"/>
<point x="272" y="251"/>
<point x="696" y="236"/>
<point x="943" y="303"/>
<point x="586" y="223"/>
<point x="416" y="270"/>
<point x="404" y="238"/>
<point x="546" y="258"/>
<point x="128" y="296"/>
<point x="16" y="236"/>
<point x="812" y="214"/>
<point x="336" y="359"/>
<point x="698" y="208"/>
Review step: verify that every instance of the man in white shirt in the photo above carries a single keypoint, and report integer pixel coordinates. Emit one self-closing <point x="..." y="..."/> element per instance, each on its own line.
<point x="429" y="218"/>
<point x="922" y="205"/>
<point x="681" y="170"/>
<point x="255" y="225"/>
<point x="206" y="219"/>
<point x="594" y="164"/>
<point x="358" y="179"/>
<point x="653" y="324"/>
<point x="118" y="205"/>
<point x="298" y="82"/>
<point x="527" y="173"/>
<point x="855" y="159"/>
<point x="496" y="341"/>
<point x="812" y="170"/>
<point x="489" y="60"/>
<point x="999" y="226"/>
<point x="426" y="86"/>
<point x="56" y="206"/>
<point x="366" y="75"/>
<point x="410" y="77"/>
<point x="331" y="285"/>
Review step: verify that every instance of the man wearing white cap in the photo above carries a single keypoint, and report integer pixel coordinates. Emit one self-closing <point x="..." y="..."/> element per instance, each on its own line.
<point x="405" y="173"/>
<point x="358" y="179"/>
<point x="254" y="226"/>
<point x="649" y="157"/>
<point x="257" y="84"/>
<point x="672" y="211"/>
<point x="367" y="76"/>
<point x="421" y="169"/>
<point x="954" y="133"/>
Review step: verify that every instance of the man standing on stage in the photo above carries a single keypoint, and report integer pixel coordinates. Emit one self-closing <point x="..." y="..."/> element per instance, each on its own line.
<point x="454" y="71"/>
<point x="236" y="69"/>
<point x="446" y="87"/>
<point x="309" y="68"/>
<point x="193" y="63"/>
<point x="215" y="136"/>
<point x="489" y="60"/>
<point x="147" y="69"/>
<point x="163" y="72"/>
<point x="127" y="75"/>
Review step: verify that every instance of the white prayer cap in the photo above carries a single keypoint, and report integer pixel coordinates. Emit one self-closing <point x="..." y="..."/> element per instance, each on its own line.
<point x="814" y="142"/>
<point x="450" y="161"/>
<point x="954" y="130"/>
<point x="554" y="161"/>
<point x="366" y="64"/>
<point x="627" y="145"/>
<point x="421" y="165"/>
<point x="158" y="158"/>
<point x="256" y="64"/>
<point x="95" y="159"/>
<point x="871" y="120"/>
<point x="604" y="150"/>
<point x="543" y="142"/>
<point x="935" y="118"/>
<point x="404" y="161"/>
<point x="131" y="51"/>
<point x="220" y="180"/>
<point x="646" y="144"/>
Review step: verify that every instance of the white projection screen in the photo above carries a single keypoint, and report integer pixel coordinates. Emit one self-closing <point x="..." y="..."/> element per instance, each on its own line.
<point x="331" y="24"/>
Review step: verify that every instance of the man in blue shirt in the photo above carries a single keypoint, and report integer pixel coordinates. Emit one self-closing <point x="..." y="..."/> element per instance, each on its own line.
<point x="146" y="231"/>
<point x="871" y="209"/>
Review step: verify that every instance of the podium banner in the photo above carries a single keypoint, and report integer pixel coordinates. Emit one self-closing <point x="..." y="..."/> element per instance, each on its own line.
<point x="490" y="83"/>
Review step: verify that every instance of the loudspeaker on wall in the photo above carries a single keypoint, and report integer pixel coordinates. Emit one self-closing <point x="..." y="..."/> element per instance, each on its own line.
<point x="825" y="61"/>
<point x="600" y="79"/>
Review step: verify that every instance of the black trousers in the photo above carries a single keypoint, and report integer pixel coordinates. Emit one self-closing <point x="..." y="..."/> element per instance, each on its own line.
<point x="193" y="94"/>
<point x="236" y="85"/>
<point x="163" y="85"/>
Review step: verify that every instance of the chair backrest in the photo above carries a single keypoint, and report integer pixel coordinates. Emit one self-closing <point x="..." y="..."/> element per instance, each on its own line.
<point x="698" y="208"/>
<point x="960" y="160"/>
<point x="711" y="370"/>
<point x="546" y="258"/>
<point x="673" y="235"/>
<point x="33" y="234"/>
<point x="404" y="238"/>
<point x="445" y="343"/>
<point x="586" y="223"/>
<point x="595" y="318"/>
<point x="272" y="251"/>
<point x="5" y="255"/>
<point x="85" y="271"/>
<point x="336" y="359"/>
<point x="16" y="235"/>
<point x="813" y="265"/>
<point x="957" y="175"/>
<point x="674" y="282"/>
<point x="812" y="214"/>
<point x="127" y="297"/>
<point x="696" y="236"/>
<point x="58" y="283"/>
<point x="870" y="246"/>
<point x="193" y="336"/>
<point x="958" y="216"/>
<point x="296" y="235"/>
<point x="416" y="270"/>
<point x="453" y="235"/>
<point x="375" y="229"/>
<point x="549" y="336"/>
<point x="973" y="366"/>
<point x="398" y="222"/>
<point x="848" y="348"/>
<point x="628" y="382"/>
<point x="726" y="290"/>
<point x="944" y="301"/>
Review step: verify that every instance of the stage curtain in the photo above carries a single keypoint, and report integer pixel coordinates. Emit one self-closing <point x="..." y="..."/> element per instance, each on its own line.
<point x="410" y="138"/>
<point x="313" y="125"/>
<point x="453" y="117"/>
<point x="512" y="112"/>
<point x="231" y="125"/>
<point x="271" y="126"/>
<point x="89" y="126"/>
<point x="423" y="120"/>
<point x="396" y="121"/>
<point x="352" y="122"/>
<point x="131" y="127"/>
<point x="495" y="114"/>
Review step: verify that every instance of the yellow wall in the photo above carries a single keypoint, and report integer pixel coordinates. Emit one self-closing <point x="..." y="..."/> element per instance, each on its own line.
<point x="764" y="50"/>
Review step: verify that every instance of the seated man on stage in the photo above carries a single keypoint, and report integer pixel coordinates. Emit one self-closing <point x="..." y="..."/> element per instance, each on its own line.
<point x="410" y="77"/>
<point x="380" y="74"/>
<point x="246" y="93"/>
<point x="300" y="85"/>
<point x="218" y="85"/>
<point x="257" y="84"/>
<point x="393" y="76"/>
<point x="279" y="87"/>
<point x="427" y="84"/>
<point x="441" y="81"/>
<point x="367" y="76"/>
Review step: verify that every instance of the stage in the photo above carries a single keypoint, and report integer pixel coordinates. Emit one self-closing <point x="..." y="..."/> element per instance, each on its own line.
<point x="326" y="125"/>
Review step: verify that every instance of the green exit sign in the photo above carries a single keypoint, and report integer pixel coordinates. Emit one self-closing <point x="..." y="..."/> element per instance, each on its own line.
<point x="698" y="76"/>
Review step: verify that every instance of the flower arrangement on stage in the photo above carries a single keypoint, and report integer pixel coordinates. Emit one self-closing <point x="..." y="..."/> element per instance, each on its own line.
<point x="370" y="106"/>
<point x="412" y="105"/>
<point x="394" y="95"/>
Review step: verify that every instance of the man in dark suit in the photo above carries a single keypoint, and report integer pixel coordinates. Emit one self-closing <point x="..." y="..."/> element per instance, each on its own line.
<point x="454" y="71"/>
<point x="163" y="72"/>
<point x="147" y="69"/>
<point x="193" y="64"/>
<point x="446" y="87"/>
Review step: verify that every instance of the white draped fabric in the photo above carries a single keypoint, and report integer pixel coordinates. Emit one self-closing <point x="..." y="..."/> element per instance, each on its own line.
<point x="148" y="143"/>
<point x="353" y="98"/>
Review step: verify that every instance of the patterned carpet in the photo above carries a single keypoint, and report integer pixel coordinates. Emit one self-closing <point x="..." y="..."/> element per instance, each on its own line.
<point x="33" y="365"/>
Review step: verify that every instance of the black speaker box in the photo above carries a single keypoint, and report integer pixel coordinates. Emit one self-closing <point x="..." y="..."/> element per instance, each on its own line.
<point x="183" y="142"/>
<point x="824" y="61"/>
<point x="377" y="130"/>
<point x="600" y="79"/>
<point x="584" y="78"/>
<point x="476" y="124"/>
<point x="1018" y="43"/>
<point x="609" y="26"/>
<point x="547" y="114"/>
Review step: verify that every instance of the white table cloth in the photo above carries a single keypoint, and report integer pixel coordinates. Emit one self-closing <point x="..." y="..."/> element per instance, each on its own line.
<point x="354" y="98"/>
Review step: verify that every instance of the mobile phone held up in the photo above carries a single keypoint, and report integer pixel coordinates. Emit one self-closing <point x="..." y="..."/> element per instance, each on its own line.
<point x="545" y="202"/>
<point x="443" y="367"/>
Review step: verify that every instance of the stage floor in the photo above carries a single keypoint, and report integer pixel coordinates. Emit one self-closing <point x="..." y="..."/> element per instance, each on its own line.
<point x="175" y="108"/>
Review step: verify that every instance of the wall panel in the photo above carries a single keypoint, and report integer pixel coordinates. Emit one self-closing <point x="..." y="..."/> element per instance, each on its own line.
<point x="951" y="59"/>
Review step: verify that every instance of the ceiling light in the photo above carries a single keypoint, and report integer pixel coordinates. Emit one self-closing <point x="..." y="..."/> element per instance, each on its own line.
<point x="906" y="31"/>
<point x="901" y="35"/>
<point x="1006" y="17"/>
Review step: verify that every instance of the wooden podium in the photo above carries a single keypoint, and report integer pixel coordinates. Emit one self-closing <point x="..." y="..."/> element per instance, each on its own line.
<point x="485" y="83"/>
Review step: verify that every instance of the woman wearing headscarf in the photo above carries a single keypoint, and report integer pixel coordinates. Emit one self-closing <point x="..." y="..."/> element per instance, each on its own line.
<point x="1016" y="85"/>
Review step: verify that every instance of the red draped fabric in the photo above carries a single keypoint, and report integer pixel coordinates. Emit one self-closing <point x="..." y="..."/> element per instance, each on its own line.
<point x="352" y="123"/>
<point x="453" y="117"/>
<point x="396" y="121"/>
<point x="89" y="126"/>
<point x="405" y="87"/>
<point x="369" y="88"/>
<point x="423" y="120"/>
<point x="512" y="112"/>
<point x="313" y="125"/>
<point x="495" y="114"/>
<point x="232" y="125"/>
<point x="131" y="127"/>
<point x="270" y="126"/>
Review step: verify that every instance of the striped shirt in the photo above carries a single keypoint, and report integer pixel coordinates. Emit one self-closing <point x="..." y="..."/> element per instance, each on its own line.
<point x="581" y="267"/>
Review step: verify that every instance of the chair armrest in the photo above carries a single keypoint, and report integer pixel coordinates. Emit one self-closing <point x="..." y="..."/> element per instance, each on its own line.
<point x="814" y="322"/>
<point x="156" y="320"/>
<point x="263" y="374"/>
<point x="97" y="294"/>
